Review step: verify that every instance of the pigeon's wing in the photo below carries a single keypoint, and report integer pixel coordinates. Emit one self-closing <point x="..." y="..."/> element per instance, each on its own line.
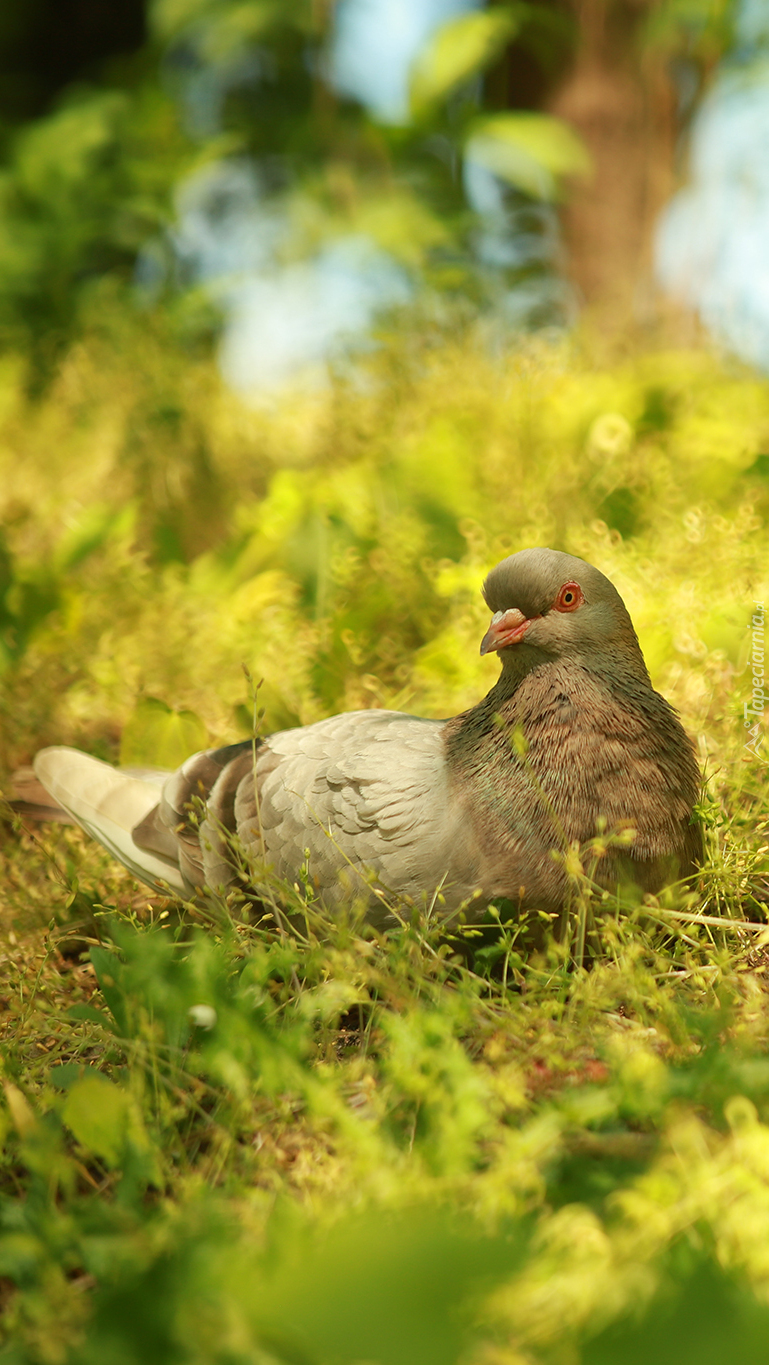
<point x="364" y="791"/>
<point x="367" y="792"/>
<point x="194" y="820"/>
<point x="147" y="818"/>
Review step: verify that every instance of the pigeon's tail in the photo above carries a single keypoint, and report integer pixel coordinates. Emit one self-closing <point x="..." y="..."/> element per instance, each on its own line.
<point x="109" y="804"/>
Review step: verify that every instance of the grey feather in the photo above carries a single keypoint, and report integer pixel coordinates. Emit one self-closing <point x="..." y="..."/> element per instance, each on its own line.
<point x="107" y="804"/>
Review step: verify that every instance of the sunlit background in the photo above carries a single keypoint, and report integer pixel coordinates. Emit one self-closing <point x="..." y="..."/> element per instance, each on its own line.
<point x="309" y="314"/>
<point x="216" y="214"/>
<point x="296" y="172"/>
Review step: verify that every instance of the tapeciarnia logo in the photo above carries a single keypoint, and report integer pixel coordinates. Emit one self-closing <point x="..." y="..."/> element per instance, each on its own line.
<point x="754" y="709"/>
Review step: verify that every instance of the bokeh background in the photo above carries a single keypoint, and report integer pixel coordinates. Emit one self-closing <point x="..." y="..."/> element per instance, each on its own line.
<point x="293" y="171"/>
<point x="310" y="313"/>
<point x="287" y="293"/>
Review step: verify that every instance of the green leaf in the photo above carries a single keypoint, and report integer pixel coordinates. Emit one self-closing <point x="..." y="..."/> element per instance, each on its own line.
<point x="98" y="1115"/>
<point x="20" y="1255"/>
<point x="65" y="1076"/>
<point x="396" y="1289"/>
<point x="96" y="526"/>
<point x="158" y="736"/>
<point x="88" y="1012"/>
<point x="530" y="151"/>
<point x="108" y="968"/>
<point x="60" y="152"/>
<point x="248" y="20"/>
<point x="712" y="1317"/>
<point x="455" y="52"/>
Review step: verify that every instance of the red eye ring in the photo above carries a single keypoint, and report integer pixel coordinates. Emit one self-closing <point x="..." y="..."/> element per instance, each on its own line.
<point x="569" y="598"/>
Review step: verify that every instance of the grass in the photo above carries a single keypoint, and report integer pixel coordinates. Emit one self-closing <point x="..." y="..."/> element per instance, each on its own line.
<point x="231" y="1138"/>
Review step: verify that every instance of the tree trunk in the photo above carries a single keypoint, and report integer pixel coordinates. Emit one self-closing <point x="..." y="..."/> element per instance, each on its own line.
<point x="622" y="103"/>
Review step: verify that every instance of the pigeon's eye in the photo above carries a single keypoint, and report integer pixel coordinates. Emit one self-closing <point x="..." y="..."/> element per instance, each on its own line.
<point x="569" y="598"/>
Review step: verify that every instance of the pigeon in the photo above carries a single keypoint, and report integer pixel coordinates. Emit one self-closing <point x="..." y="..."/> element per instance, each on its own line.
<point x="572" y="742"/>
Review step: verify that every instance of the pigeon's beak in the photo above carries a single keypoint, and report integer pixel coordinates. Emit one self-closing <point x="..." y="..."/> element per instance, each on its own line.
<point x="507" y="628"/>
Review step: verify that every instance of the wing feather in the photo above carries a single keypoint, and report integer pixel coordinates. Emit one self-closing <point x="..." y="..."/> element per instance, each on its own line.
<point x="368" y="789"/>
<point x="107" y="804"/>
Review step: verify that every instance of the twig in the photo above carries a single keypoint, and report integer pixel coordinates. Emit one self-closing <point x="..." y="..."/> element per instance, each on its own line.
<point x="714" y="920"/>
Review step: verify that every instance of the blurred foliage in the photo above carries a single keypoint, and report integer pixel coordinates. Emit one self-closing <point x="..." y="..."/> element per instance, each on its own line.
<point x="89" y="189"/>
<point x="79" y="196"/>
<point x="530" y="151"/>
<point x="458" y="50"/>
<point x="694" y="36"/>
<point x="335" y="544"/>
<point x="159" y="736"/>
<point x="244" y="1134"/>
<point x="708" y="1320"/>
<point x="702" y="30"/>
<point x="239" y="1135"/>
<point x="89" y="195"/>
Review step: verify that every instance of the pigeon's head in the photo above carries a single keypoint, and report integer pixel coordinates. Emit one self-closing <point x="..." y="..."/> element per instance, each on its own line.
<point x="556" y="605"/>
